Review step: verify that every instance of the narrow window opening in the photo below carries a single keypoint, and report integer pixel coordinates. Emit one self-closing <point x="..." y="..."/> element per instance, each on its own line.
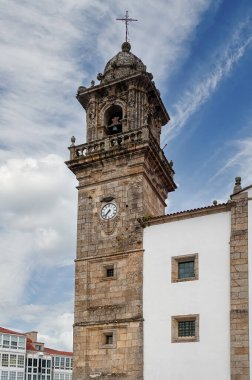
<point x="113" y="120"/>
<point x="110" y="272"/>
<point x="109" y="338"/>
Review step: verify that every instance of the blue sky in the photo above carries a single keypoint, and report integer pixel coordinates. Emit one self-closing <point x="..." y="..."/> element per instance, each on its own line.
<point x="200" y="53"/>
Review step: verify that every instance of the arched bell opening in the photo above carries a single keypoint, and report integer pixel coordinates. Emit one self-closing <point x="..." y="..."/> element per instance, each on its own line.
<point x="113" y="120"/>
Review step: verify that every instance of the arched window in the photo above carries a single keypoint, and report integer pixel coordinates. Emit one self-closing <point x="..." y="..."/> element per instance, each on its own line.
<point x="113" y="120"/>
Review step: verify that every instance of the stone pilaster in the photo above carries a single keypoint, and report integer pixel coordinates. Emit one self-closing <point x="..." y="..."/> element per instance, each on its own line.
<point x="239" y="318"/>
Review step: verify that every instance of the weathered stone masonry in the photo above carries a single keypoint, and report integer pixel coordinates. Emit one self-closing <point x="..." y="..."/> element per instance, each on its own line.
<point x="239" y="317"/>
<point x="121" y="163"/>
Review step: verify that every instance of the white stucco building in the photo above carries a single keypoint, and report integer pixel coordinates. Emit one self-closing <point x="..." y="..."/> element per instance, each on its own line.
<point x="22" y="357"/>
<point x="12" y="355"/>
<point x="195" y="292"/>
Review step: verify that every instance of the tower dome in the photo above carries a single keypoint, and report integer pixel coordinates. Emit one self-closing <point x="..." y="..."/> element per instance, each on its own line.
<point x="121" y="65"/>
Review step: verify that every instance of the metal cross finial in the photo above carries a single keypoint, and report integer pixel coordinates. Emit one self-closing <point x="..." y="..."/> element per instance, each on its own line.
<point x="127" y="20"/>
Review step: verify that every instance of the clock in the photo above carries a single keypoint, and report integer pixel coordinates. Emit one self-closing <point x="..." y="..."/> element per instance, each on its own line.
<point x="108" y="211"/>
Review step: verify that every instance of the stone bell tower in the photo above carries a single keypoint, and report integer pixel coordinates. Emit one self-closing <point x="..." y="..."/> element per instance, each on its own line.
<point x="123" y="176"/>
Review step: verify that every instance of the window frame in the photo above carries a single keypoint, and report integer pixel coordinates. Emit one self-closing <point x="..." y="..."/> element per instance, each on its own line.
<point x="176" y="260"/>
<point x="107" y="267"/>
<point x="175" y="338"/>
<point x="105" y="334"/>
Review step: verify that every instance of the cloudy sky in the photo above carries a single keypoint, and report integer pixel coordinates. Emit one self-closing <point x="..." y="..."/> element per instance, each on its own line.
<point x="200" y="52"/>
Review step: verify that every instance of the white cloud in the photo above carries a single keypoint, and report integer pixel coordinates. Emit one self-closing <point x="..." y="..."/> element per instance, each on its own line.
<point x="37" y="207"/>
<point x="194" y="97"/>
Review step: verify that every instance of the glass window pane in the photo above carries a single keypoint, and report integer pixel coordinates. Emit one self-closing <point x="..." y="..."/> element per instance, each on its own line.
<point x="186" y="269"/>
<point x="4" y="375"/>
<point x="14" y="340"/>
<point x="57" y="359"/>
<point x="5" y="360"/>
<point x="62" y="363"/>
<point x="21" y="342"/>
<point x="20" y="361"/>
<point x="186" y="328"/>
<point x="13" y="360"/>
<point x="12" y="376"/>
<point x="67" y="362"/>
<point x="6" y="341"/>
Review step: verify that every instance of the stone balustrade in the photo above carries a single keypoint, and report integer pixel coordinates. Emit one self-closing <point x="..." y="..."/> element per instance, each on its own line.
<point x="120" y="140"/>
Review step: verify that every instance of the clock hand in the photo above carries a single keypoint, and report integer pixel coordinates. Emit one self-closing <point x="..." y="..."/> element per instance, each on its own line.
<point x="107" y="212"/>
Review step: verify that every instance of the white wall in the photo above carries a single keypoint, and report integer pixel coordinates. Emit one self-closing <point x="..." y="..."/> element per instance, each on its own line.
<point x="209" y="297"/>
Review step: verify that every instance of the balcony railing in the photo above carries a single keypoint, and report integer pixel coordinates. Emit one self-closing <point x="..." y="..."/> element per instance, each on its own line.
<point x="121" y="140"/>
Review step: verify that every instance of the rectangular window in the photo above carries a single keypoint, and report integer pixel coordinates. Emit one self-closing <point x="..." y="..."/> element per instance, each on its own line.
<point x="20" y="361"/>
<point x="67" y="363"/>
<point x="14" y="341"/>
<point x="1" y="340"/>
<point x="109" y="338"/>
<point x="185" y="268"/>
<point x="48" y="363"/>
<point x="185" y="328"/>
<point x="5" y="360"/>
<point x="30" y="362"/>
<point x="57" y="361"/>
<point x="13" y="360"/>
<point x="21" y="342"/>
<point x="71" y="363"/>
<point x="110" y="272"/>
<point x="6" y="341"/>
<point x="20" y="376"/>
<point x="12" y="375"/>
<point x="62" y="363"/>
<point x="4" y="375"/>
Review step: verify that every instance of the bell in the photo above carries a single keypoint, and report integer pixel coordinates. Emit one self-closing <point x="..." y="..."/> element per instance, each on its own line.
<point x="115" y="129"/>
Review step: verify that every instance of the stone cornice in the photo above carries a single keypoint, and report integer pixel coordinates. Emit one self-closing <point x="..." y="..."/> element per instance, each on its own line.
<point x="110" y="321"/>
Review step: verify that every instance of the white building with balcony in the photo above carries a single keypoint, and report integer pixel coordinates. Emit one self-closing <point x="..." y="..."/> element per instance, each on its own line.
<point x="23" y="357"/>
<point x="12" y="355"/>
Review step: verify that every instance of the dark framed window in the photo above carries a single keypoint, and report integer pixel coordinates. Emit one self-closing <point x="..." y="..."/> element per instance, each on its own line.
<point x="109" y="338"/>
<point x="186" y="328"/>
<point x="110" y="271"/>
<point x="186" y="269"/>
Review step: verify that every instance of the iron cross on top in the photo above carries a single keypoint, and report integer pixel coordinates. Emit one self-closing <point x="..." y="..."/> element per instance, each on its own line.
<point x="126" y="19"/>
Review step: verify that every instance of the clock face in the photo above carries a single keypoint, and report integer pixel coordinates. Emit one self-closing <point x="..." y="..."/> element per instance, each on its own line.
<point x="108" y="211"/>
